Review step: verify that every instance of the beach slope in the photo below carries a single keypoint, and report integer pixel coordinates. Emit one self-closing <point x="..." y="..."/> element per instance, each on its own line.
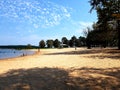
<point x="62" y="69"/>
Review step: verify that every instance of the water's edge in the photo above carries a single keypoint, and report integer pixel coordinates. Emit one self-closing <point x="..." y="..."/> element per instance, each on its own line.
<point x="12" y="53"/>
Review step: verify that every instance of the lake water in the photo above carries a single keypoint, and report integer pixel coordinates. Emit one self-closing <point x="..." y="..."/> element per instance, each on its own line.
<point x="10" y="53"/>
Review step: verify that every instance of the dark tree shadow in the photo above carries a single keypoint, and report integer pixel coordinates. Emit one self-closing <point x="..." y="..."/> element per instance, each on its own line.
<point x="87" y="51"/>
<point x="101" y="53"/>
<point x="34" y="79"/>
<point x="61" y="79"/>
<point x="95" y="79"/>
<point x="107" y="53"/>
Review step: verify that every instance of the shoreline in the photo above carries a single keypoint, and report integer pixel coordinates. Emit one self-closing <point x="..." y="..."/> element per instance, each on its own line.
<point x="23" y="54"/>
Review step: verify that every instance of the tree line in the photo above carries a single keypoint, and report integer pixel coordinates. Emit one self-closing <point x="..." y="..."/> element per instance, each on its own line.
<point x="19" y="47"/>
<point x="98" y="37"/>
<point x="64" y="42"/>
<point x="106" y="31"/>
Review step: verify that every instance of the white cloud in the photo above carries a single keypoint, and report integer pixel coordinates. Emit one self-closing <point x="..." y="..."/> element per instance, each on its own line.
<point x="81" y="25"/>
<point x="35" y="25"/>
<point x="36" y="12"/>
<point x="85" y="24"/>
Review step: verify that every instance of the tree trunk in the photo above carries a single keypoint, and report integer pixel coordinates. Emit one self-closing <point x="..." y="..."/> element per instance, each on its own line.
<point x="118" y="34"/>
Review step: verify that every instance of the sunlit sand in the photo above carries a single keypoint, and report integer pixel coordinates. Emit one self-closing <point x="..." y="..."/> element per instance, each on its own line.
<point x="63" y="58"/>
<point x="81" y="63"/>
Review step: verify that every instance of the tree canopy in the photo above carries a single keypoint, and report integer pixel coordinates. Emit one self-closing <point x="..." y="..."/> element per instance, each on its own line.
<point x="56" y="43"/>
<point x="49" y="43"/>
<point x="42" y="44"/>
<point x="106" y="11"/>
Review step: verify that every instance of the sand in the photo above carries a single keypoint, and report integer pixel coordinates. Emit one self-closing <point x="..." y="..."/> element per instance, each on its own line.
<point x="62" y="58"/>
<point x="81" y="63"/>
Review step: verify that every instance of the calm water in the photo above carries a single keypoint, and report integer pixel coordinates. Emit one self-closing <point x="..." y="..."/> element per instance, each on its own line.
<point x="10" y="53"/>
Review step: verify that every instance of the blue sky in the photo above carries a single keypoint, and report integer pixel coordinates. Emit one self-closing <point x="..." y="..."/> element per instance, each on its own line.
<point x="25" y="22"/>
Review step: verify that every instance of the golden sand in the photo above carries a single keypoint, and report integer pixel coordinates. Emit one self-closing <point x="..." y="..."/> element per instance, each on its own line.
<point x="64" y="58"/>
<point x="62" y="69"/>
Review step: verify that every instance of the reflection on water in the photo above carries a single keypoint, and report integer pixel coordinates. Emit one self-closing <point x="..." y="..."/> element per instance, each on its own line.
<point x="10" y="53"/>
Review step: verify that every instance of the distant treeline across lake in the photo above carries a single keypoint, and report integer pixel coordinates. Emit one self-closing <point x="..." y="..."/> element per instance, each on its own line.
<point x="18" y="47"/>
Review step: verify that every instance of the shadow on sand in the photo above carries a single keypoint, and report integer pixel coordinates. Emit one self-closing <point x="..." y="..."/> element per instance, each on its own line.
<point x="94" y="53"/>
<point x="61" y="79"/>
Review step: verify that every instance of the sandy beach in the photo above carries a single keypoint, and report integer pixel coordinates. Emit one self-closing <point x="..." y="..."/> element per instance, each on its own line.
<point x="63" y="69"/>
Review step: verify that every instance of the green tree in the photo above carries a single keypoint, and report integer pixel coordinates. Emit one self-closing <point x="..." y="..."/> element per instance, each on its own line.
<point x="49" y="43"/>
<point x="106" y="9"/>
<point x="29" y="46"/>
<point x="77" y="43"/>
<point x="72" y="41"/>
<point x="96" y="37"/>
<point x="82" y="41"/>
<point x="56" y="43"/>
<point x="42" y="44"/>
<point x="86" y="31"/>
<point x="65" y="40"/>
